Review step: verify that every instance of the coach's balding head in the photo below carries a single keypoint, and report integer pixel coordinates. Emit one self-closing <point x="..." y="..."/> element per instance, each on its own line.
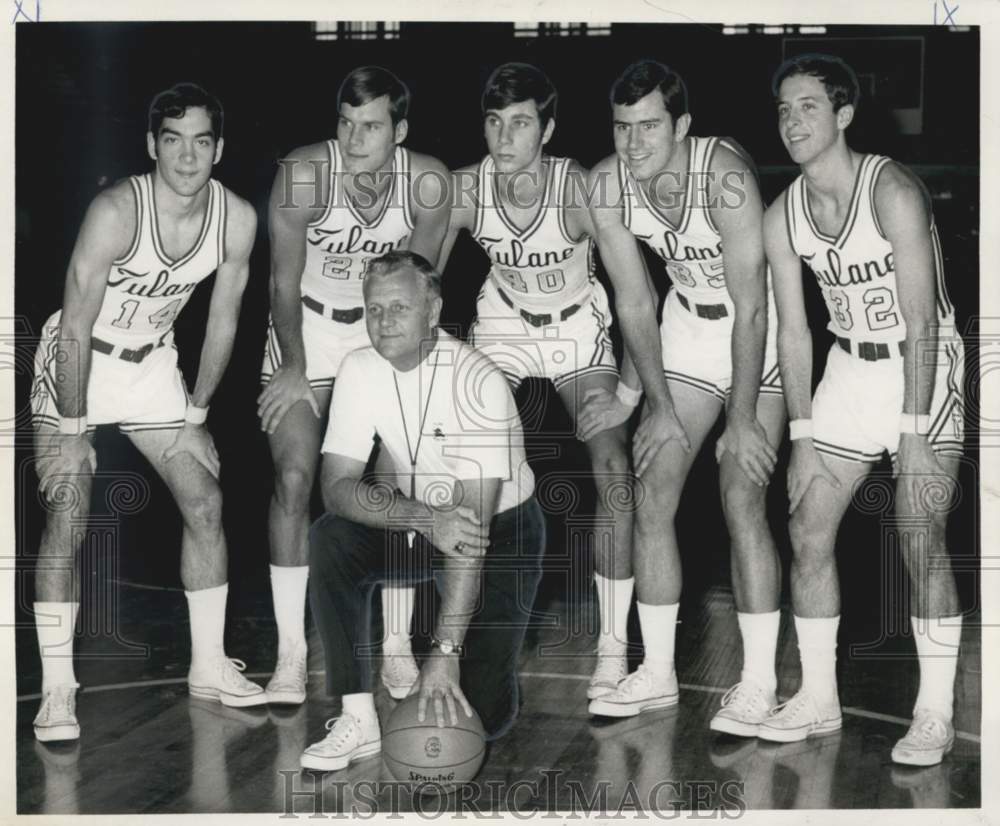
<point x="402" y="307"/>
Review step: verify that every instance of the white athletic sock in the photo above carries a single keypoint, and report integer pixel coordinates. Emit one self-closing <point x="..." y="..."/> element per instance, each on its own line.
<point x="55" y="625"/>
<point x="288" y="589"/>
<point x="937" y="649"/>
<point x="614" y="598"/>
<point x="760" y="643"/>
<point x="397" y="611"/>
<point x="207" y="610"/>
<point x="818" y="653"/>
<point x="362" y="708"/>
<point x="659" y="629"/>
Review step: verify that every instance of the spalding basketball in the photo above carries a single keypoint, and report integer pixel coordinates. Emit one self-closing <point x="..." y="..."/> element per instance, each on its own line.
<point x="441" y="758"/>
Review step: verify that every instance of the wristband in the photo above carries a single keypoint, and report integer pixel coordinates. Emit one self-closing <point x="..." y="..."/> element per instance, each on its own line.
<point x="72" y="426"/>
<point x="800" y="429"/>
<point x="627" y="396"/>
<point x="195" y="415"/>
<point x="914" y="423"/>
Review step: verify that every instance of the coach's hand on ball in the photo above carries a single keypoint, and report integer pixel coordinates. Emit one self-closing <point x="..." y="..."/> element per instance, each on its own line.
<point x="71" y="452"/>
<point x="458" y="532"/>
<point x="747" y="441"/>
<point x="286" y="387"/>
<point x="196" y="440"/>
<point x="805" y="467"/>
<point x="439" y="682"/>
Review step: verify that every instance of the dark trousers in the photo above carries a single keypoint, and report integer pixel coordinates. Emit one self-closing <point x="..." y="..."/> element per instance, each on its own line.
<point x="347" y="560"/>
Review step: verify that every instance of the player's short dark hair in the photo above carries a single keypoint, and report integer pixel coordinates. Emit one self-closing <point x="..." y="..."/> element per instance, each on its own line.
<point x="396" y="260"/>
<point x="642" y="77"/>
<point x="175" y="101"/>
<point x="368" y="83"/>
<point x="518" y="82"/>
<point x="836" y="76"/>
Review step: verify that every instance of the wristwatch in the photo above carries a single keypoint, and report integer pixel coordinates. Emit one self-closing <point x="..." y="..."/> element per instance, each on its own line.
<point x="447" y="647"/>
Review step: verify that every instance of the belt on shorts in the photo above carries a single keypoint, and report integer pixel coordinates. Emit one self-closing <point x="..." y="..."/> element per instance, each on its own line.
<point x="537" y="319"/>
<point x="109" y="349"/>
<point x="709" y="311"/>
<point x="343" y="316"/>
<point x="869" y="350"/>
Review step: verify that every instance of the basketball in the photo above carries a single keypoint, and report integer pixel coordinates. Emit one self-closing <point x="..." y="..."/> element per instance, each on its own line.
<point x="441" y="757"/>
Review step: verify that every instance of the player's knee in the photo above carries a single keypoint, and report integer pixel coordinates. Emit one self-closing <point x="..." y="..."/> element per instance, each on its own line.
<point x="811" y="540"/>
<point x="656" y="508"/>
<point x="610" y="464"/>
<point x="202" y="507"/>
<point x="293" y="486"/>
<point x="742" y="504"/>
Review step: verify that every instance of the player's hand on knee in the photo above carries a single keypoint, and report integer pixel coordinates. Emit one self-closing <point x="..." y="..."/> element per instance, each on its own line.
<point x="747" y="441"/>
<point x="286" y="388"/>
<point x="805" y="467"/>
<point x="196" y="440"/>
<point x="656" y="429"/>
<point x="599" y="409"/>
<point x="457" y="532"/>
<point x="73" y="455"/>
<point x="440" y="689"/>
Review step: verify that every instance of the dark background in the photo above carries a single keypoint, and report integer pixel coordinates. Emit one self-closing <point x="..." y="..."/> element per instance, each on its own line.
<point x="82" y="93"/>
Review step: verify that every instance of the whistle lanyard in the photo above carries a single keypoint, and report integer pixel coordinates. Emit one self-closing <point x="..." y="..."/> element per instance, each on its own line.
<point x="414" y="453"/>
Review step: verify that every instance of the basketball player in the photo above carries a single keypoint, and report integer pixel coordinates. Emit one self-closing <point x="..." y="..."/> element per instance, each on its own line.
<point x="462" y="512"/>
<point x="893" y="382"/>
<point x="334" y="206"/>
<point x="695" y="202"/>
<point x="108" y="357"/>
<point x="542" y="313"/>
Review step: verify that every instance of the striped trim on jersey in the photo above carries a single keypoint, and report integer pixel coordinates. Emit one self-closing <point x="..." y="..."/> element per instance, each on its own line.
<point x="694" y="157"/>
<point x="562" y="181"/>
<point x="332" y="156"/>
<point x="536" y="222"/>
<point x="737" y="150"/>
<point x="146" y="184"/>
<point x="220" y="239"/>
<point x="852" y="212"/>
<point x="400" y="173"/>
<point x="140" y="216"/>
<point x="847" y="454"/>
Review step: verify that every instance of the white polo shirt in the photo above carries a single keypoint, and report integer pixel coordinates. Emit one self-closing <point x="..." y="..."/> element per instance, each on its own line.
<point x="470" y="426"/>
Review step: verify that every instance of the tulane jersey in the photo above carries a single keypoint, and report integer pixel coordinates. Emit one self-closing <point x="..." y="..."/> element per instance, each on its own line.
<point x="691" y="249"/>
<point x="146" y="288"/>
<point x="341" y="243"/>
<point x="540" y="267"/>
<point x="855" y="269"/>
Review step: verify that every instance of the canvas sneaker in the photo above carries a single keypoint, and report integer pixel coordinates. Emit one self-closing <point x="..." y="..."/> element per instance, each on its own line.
<point x="288" y="683"/>
<point x="56" y="719"/>
<point x="221" y="680"/>
<point x="610" y="670"/>
<point x="744" y="707"/>
<point x="799" y="718"/>
<point x="929" y="739"/>
<point x="639" y="691"/>
<point x="344" y="744"/>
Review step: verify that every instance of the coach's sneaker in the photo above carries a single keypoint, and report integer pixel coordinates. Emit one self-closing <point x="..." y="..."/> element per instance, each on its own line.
<point x="288" y="683"/>
<point x="929" y="739"/>
<point x="398" y="673"/>
<point x="345" y="743"/>
<point x="744" y="707"/>
<point x="639" y="691"/>
<point x="799" y="718"/>
<point x="221" y="680"/>
<point x="56" y="719"/>
<point x="610" y="670"/>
